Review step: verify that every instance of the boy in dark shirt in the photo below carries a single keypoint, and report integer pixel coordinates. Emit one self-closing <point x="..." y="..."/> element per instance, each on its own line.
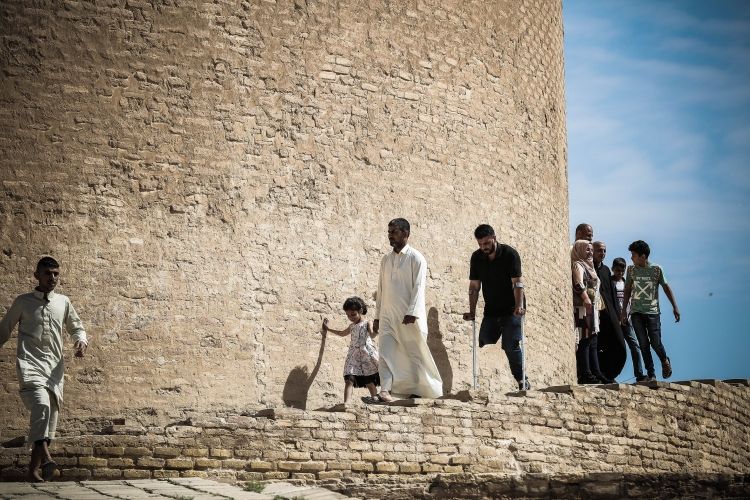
<point x="618" y="277"/>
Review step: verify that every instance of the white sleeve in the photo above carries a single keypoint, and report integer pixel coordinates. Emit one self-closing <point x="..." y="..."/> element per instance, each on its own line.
<point x="419" y="274"/>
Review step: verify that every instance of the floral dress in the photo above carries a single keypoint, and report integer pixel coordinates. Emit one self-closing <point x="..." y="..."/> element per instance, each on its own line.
<point x="361" y="365"/>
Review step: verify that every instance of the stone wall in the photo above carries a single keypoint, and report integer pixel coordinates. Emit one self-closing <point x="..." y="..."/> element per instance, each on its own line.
<point x="216" y="177"/>
<point x="614" y="433"/>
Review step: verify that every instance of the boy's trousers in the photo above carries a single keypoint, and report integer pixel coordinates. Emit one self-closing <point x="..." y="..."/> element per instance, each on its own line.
<point x="42" y="404"/>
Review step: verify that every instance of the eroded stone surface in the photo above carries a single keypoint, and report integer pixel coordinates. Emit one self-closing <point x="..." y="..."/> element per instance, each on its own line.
<point x="655" y="430"/>
<point x="216" y="177"/>
<point x="180" y="488"/>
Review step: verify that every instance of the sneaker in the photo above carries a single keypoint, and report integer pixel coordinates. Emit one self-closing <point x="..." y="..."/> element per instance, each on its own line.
<point x="588" y="380"/>
<point x="641" y="378"/>
<point x="666" y="369"/>
<point x="651" y="378"/>
<point x="524" y="385"/>
<point x="603" y="379"/>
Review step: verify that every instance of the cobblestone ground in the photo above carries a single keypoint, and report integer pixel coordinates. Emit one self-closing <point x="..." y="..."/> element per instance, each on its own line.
<point x="178" y="488"/>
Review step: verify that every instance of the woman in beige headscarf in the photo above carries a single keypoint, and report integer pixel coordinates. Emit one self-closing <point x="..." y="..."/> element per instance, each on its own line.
<point x="586" y="306"/>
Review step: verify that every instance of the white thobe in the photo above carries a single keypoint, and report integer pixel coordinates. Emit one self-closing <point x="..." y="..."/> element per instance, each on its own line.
<point x="39" y="355"/>
<point x="406" y="365"/>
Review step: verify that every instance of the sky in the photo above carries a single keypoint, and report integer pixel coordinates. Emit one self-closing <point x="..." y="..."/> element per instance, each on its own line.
<point x="658" y="115"/>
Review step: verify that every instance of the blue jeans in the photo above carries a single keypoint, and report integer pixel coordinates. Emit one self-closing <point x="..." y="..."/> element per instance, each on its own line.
<point x="648" y="329"/>
<point x="635" y="350"/>
<point x="508" y="329"/>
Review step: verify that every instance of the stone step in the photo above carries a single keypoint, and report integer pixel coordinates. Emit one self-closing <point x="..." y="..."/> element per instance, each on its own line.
<point x="287" y="490"/>
<point x="159" y="489"/>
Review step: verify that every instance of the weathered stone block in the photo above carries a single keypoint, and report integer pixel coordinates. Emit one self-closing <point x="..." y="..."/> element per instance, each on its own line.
<point x="136" y="451"/>
<point x="194" y="452"/>
<point x="165" y="474"/>
<point x="179" y="463"/>
<point x="151" y="463"/>
<point x="104" y="473"/>
<point x="373" y="456"/>
<point x="120" y="462"/>
<point x="285" y="466"/>
<point x="409" y="468"/>
<point x="358" y="466"/>
<point x="386" y="468"/>
<point x="136" y="474"/>
<point x="276" y="475"/>
<point x="235" y="464"/>
<point x="71" y="474"/>
<point x="207" y="463"/>
<point x="261" y="466"/>
<point x="312" y="466"/>
<point x="114" y="451"/>
<point x="92" y="462"/>
<point x="161" y="451"/>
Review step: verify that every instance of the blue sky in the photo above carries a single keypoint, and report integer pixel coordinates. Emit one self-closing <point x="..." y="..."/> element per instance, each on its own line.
<point x="658" y="106"/>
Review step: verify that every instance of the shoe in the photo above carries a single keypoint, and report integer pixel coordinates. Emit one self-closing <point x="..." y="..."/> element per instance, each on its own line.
<point x="603" y="379"/>
<point x="651" y="378"/>
<point x="641" y="378"/>
<point x="48" y="470"/>
<point x="524" y="385"/>
<point x="666" y="369"/>
<point x="373" y="400"/>
<point x="588" y="380"/>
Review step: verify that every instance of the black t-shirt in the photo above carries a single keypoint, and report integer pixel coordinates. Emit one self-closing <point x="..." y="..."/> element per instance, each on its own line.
<point x="495" y="275"/>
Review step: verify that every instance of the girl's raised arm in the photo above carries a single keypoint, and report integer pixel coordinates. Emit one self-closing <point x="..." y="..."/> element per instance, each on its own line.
<point x="341" y="333"/>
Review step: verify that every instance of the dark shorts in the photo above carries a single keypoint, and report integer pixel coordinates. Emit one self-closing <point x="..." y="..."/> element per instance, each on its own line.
<point x="363" y="380"/>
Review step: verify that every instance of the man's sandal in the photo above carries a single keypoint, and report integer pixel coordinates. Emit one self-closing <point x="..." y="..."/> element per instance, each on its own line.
<point x="48" y="470"/>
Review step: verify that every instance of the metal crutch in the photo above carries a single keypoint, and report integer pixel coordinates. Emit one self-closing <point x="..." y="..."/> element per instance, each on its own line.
<point x="523" y="345"/>
<point x="474" y="353"/>
<point x="523" y="353"/>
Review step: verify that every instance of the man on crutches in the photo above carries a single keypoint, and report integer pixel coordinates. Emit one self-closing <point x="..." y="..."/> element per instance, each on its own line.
<point x="495" y="269"/>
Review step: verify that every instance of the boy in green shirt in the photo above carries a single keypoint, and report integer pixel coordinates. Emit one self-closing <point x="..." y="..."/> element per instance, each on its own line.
<point x="642" y="284"/>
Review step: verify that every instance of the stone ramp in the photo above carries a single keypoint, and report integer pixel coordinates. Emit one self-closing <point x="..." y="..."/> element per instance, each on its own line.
<point x="156" y="489"/>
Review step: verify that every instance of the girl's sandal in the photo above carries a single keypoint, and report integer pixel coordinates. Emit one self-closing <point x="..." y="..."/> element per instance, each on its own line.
<point x="376" y="400"/>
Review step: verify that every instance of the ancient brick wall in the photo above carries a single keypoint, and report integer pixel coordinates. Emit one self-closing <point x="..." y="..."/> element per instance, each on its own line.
<point x="216" y="177"/>
<point x="612" y="435"/>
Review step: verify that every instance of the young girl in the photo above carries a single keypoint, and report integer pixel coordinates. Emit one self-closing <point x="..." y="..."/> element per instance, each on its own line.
<point x="361" y="366"/>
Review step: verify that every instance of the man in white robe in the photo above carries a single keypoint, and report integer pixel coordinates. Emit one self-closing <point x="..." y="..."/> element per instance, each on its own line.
<point x="406" y="365"/>
<point x="40" y="316"/>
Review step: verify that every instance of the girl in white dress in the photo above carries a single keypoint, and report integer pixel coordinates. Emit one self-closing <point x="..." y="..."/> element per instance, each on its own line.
<point x="361" y="365"/>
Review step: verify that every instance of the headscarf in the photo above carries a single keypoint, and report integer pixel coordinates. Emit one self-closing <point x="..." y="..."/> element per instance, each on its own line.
<point x="578" y="256"/>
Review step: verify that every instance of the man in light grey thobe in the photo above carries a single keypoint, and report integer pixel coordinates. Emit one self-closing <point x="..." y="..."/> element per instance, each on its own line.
<point x="40" y="316"/>
<point x="406" y="365"/>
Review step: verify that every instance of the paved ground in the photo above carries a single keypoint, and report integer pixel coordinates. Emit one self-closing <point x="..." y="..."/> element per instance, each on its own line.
<point x="155" y="489"/>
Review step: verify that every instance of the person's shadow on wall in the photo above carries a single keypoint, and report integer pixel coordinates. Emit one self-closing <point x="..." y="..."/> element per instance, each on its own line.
<point x="299" y="381"/>
<point x="438" y="350"/>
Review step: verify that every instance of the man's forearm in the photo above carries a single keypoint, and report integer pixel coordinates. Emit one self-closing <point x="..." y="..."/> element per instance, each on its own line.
<point x="473" y="298"/>
<point x="518" y="295"/>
